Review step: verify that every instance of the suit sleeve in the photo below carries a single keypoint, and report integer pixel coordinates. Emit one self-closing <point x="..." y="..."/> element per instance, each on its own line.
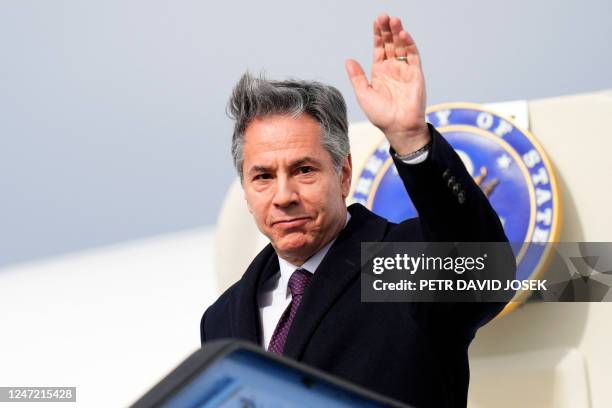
<point x="451" y="208"/>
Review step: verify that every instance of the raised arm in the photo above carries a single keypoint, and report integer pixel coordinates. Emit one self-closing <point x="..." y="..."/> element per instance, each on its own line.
<point x="451" y="207"/>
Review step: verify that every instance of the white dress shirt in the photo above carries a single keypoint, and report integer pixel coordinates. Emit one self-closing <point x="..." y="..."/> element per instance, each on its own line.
<point x="275" y="296"/>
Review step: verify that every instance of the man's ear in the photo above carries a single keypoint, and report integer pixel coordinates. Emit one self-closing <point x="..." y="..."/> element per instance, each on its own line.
<point x="347" y="174"/>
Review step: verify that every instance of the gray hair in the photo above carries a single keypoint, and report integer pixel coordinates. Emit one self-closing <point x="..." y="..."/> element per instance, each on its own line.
<point x="258" y="97"/>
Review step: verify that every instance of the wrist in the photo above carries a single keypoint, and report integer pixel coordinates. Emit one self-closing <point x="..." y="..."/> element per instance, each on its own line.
<point x="416" y="156"/>
<point x="408" y="142"/>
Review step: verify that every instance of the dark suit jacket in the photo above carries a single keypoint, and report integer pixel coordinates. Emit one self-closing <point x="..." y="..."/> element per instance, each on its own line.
<point x="413" y="352"/>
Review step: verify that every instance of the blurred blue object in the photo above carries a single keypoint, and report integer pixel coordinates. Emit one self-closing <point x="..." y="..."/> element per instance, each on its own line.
<point x="240" y="375"/>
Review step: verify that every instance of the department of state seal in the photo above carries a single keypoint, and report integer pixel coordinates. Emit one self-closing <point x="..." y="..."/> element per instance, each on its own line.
<point x="506" y="162"/>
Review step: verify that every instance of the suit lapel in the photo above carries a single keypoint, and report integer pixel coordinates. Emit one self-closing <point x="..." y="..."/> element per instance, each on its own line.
<point x="245" y="319"/>
<point x="339" y="268"/>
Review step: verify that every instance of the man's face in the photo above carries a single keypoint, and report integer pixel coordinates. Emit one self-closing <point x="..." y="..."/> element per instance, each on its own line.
<point x="291" y="186"/>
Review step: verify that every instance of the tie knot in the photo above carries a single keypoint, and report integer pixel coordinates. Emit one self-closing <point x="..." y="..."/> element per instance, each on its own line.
<point x="298" y="281"/>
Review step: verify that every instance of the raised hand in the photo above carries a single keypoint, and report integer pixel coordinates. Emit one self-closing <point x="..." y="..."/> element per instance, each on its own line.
<point x="394" y="100"/>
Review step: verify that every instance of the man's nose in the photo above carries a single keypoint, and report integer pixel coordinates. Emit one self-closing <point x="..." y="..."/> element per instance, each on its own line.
<point x="285" y="194"/>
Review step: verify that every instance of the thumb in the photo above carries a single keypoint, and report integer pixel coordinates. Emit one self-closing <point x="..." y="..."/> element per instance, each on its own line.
<point x="356" y="75"/>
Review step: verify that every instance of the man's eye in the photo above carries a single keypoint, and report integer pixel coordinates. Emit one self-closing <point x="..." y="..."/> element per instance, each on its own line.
<point x="305" y="169"/>
<point x="263" y="176"/>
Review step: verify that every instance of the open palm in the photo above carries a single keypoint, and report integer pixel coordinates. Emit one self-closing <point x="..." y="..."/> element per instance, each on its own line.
<point x="394" y="100"/>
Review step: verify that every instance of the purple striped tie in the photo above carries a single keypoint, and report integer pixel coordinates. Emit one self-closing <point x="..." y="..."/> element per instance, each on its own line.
<point x="298" y="282"/>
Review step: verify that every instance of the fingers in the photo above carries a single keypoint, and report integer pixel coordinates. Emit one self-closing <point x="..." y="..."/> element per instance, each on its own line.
<point x="387" y="36"/>
<point x="356" y="75"/>
<point x="379" y="49"/>
<point x="412" y="53"/>
<point x="396" y="28"/>
<point x="396" y="42"/>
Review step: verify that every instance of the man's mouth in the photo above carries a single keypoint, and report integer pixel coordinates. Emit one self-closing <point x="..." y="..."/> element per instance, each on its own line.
<point x="290" y="222"/>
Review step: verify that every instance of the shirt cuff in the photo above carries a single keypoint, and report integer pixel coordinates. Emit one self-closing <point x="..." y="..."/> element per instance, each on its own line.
<point x="418" y="159"/>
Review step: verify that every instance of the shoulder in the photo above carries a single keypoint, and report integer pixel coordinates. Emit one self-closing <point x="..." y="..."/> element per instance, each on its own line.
<point x="222" y="304"/>
<point x="216" y="316"/>
<point x="215" y="321"/>
<point x="369" y="226"/>
<point x="407" y="230"/>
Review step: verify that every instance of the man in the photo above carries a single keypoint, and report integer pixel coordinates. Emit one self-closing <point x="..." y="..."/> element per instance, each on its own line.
<point x="301" y="294"/>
